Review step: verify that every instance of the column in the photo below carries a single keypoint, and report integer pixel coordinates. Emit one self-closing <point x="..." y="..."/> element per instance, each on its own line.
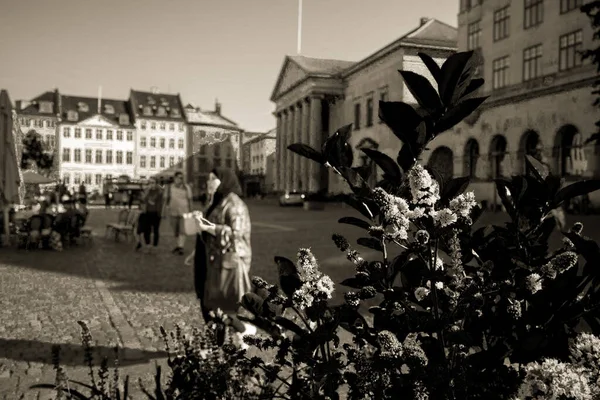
<point x="278" y="145"/>
<point x="284" y="155"/>
<point x="288" y="154"/>
<point x="316" y="135"/>
<point x="297" y="139"/>
<point x="305" y="163"/>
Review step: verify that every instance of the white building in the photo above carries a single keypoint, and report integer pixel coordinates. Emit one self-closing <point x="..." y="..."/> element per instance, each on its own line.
<point x="258" y="163"/>
<point x="162" y="129"/>
<point x="96" y="141"/>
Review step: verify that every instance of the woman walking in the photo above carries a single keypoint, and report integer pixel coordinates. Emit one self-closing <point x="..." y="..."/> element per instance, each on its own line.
<point x="152" y="205"/>
<point x="223" y="251"/>
<point x="178" y="202"/>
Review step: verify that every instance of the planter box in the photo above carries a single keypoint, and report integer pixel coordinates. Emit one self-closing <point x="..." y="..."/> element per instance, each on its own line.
<point x="314" y="205"/>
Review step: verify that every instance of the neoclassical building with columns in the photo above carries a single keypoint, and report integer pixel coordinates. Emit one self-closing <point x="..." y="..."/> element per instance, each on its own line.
<point x="314" y="97"/>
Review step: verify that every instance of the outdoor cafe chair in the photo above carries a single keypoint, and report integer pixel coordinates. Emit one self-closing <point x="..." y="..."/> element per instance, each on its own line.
<point x="121" y="221"/>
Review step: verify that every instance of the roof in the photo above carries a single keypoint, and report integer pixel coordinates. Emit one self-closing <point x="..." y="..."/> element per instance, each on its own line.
<point x="196" y="116"/>
<point x="262" y="136"/>
<point x="32" y="108"/>
<point x="157" y="103"/>
<point x="75" y="103"/>
<point x="321" y="66"/>
<point x="431" y="34"/>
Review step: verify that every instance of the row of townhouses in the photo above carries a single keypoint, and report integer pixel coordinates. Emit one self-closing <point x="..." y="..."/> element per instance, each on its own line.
<point x="540" y="103"/>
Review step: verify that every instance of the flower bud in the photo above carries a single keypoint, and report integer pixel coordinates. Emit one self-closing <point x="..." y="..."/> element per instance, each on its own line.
<point x="340" y="242"/>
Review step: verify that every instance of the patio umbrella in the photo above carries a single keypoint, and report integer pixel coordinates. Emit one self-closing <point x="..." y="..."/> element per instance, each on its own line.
<point x="35" y="178"/>
<point x="9" y="169"/>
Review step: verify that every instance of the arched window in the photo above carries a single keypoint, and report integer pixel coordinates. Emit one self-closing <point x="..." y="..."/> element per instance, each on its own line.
<point x="471" y="156"/>
<point x="497" y="155"/>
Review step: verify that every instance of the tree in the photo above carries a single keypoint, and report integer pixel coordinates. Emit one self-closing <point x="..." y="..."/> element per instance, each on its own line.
<point x="34" y="154"/>
<point x="592" y="10"/>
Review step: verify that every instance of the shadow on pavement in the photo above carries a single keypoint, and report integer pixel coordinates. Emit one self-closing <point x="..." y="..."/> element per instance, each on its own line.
<point x="71" y="354"/>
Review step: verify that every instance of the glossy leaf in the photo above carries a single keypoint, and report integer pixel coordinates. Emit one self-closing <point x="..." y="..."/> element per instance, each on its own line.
<point x="576" y="189"/>
<point x="355" y="221"/>
<point x="432" y="66"/>
<point x="501" y="186"/>
<point x="406" y="159"/>
<point x="370" y="243"/>
<point x="289" y="280"/>
<point x="455" y="73"/>
<point x="473" y="86"/>
<point x="354" y="283"/>
<point x="291" y="326"/>
<point x="458" y="113"/>
<point x="454" y="187"/>
<point x="253" y="303"/>
<point x="306" y="151"/>
<point x="401" y="118"/>
<point x="336" y="150"/>
<point x="385" y="162"/>
<point x="422" y="91"/>
<point x="539" y="170"/>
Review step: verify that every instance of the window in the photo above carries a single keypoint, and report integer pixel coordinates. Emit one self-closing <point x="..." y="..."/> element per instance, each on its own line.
<point x="143" y="141"/>
<point x="119" y="135"/>
<point x="171" y="161"/>
<point x="217" y="150"/>
<point x="534" y="13"/>
<point x="109" y="134"/>
<point x="179" y="160"/>
<point x="153" y="162"/>
<point x="147" y="111"/>
<point x="77" y="155"/>
<point x="119" y="157"/>
<point x="76" y="178"/>
<point x="500" y="72"/>
<point x="569" y="5"/>
<point x="109" y="157"/>
<point x="88" y="133"/>
<point x="153" y="125"/>
<point x="72" y="115"/>
<point x="180" y="143"/>
<point x="50" y="141"/>
<point x="570" y="46"/>
<point x="98" y="156"/>
<point x="109" y="109"/>
<point x="162" y="142"/>
<point x="163" y="126"/>
<point x="357" y="116"/>
<point x="229" y="163"/>
<point x="98" y="134"/>
<point x="370" y="112"/>
<point x="473" y="35"/>
<point x="98" y="179"/>
<point x="171" y="143"/>
<point x="202" y="134"/>
<point x="129" y="157"/>
<point x="66" y="156"/>
<point x="88" y="156"/>
<point x="532" y="62"/>
<point x="66" y="179"/>
<point x="181" y="126"/>
<point x="171" y="126"/>
<point x="67" y="132"/>
<point x="142" y="161"/>
<point x="501" y="23"/>
<point x="143" y="125"/>
<point x="88" y="179"/>
<point x="129" y="136"/>
<point x="152" y="141"/>
<point x="162" y="162"/>
<point x="202" y="149"/>
<point x="383" y="96"/>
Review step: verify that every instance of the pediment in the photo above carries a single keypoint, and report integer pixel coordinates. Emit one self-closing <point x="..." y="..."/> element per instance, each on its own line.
<point x="290" y="74"/>
<point x="98" y="120"/>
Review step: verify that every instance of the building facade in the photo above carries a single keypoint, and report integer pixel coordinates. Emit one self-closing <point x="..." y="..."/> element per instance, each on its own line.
<point x="315" y="97"/>
<point x="256" y="153"/>
<point x="162" y="132"/>
<point x="213" y="141"/>
<point x="540" y="93"/>
<point x="97" y="141"/>
<point x="41" y="114"/>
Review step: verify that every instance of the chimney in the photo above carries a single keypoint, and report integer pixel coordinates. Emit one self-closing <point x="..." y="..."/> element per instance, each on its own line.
<point x="154" y="90"/>
<point x="424" y="20"/>
<point x="217" y="107"/>
<point x="18" y="104"/>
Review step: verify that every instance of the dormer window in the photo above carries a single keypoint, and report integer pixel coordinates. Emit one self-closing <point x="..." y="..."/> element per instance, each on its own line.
<point x="124" y="119"/>
<point x="109" y="109"/>
<point x="151" y="100"/>
<point x="46" y="107"/>
<point x="175" y="113"/>
<point x="161" y="112"/>
<point x="164" y="102"/>
<point x="147" y="111"/>
<point x="83" y="107"/>
<point x="72" y="115"/>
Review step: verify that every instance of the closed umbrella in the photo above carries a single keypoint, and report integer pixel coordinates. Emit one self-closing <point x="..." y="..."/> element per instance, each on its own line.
<point x="9" y="169"/>
<point x="31" y="177"/>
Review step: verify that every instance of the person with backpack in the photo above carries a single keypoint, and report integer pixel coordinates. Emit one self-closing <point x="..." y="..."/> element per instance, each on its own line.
<point x="178" y="201"/>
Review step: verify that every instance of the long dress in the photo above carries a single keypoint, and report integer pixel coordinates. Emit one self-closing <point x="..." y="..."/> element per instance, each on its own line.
<point x="222" y="262"/>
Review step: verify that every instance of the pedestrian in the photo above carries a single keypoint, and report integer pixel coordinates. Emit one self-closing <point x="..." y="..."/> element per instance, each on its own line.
<point x="178" y="201"/>
<point x="223" y="251"/>
<point x="152" y="206"/>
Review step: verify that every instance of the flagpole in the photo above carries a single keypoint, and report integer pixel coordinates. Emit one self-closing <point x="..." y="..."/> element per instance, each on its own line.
<point x="99" y="98"/>
<point x="299" y="26"/>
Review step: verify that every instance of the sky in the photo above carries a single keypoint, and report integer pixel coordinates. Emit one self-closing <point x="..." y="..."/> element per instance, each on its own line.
<point x="232" y="50"/>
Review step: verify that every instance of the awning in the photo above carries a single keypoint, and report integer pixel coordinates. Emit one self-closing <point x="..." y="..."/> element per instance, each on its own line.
<point x="31" y="177"/>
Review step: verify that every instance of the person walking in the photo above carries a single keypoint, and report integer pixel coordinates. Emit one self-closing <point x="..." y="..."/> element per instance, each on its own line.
<point x="223" y="251"/>
<point x="152" y="206"/>
<point x="178" y="201"/>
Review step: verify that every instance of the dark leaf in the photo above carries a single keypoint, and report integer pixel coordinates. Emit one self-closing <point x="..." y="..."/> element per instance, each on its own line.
<point x="354" y="283"/>
<point x="473" y="86"/>
<point x="454" y="187"/>
<point x="401" y="118"/>
<point x="354" y="179"/>
<point x="336" y="150"/>
<point x="553" y="184"/>
<point x="355" y="221"/>
<point x="432" y="66"/>
<point x="371" y="243"/>
<point x="406" y="159"/>
<point x="414" y="273"/>
<point x="457" y="72"/>
<point x="358" y="205"/>
<point x="253" y="303"/>
<point x="306" y="151"/>
<point x="72" y="393"/>
<point x="576" y="189"/>
<point x="422" y="91"/>
<point x="588" y="248"/>
<point x="385" y="162"/>
<point x="539" y="170"/>
<point x="290" y="325"/>
<point x="457" y="113"/>
<point x="397" y="264"/>
<point x="502" y="185"/>
<point x="289" y="281"/>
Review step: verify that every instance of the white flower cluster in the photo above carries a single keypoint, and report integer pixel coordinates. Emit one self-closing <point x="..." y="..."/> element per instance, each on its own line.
<point x="534" y="283"/>
<point x="585" y="352"/>
<point x="554" y="380"/>
<point x="316" y="286"/>
<point x="424" y="189"/>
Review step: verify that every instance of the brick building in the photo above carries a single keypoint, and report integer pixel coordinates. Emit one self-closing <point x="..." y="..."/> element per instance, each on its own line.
<point x="315" y="97"/>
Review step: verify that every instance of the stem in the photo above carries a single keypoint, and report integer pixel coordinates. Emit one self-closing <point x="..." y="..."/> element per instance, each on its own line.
<point x="436" y="309"/>
<point x="303" y="319"/>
